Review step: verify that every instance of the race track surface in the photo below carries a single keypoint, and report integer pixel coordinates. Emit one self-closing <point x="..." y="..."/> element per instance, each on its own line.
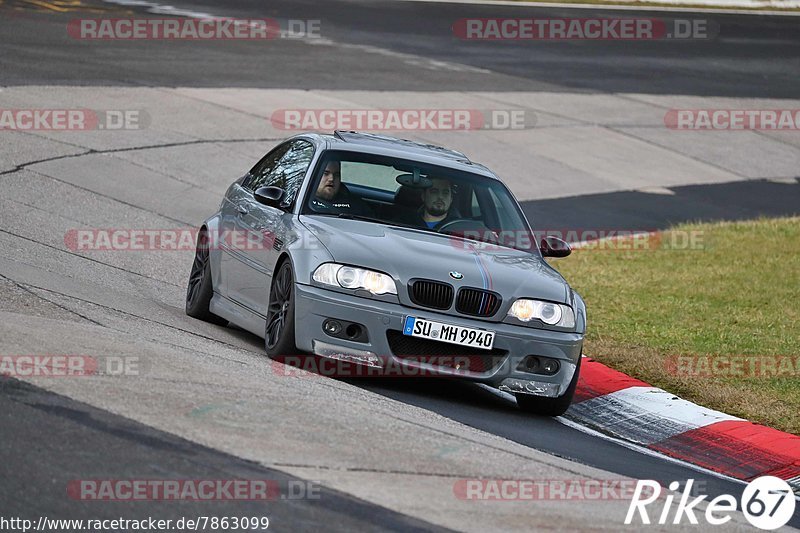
<point x="205" y="402"/>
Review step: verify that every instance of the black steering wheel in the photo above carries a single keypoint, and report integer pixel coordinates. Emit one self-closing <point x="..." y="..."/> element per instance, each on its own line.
<point x="448" y="225"/>
<point x="463" y="225"/>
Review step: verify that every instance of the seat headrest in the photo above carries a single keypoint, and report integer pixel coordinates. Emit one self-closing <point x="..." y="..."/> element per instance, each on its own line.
<point x="408" y="196"/>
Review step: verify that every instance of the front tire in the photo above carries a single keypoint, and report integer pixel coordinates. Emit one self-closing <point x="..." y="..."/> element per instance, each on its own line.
<point x="550" y="406"/>
<point x="200" y="289"/>
<point x="279" y="331"/>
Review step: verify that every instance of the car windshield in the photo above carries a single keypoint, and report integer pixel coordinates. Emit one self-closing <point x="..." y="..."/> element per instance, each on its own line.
<point x="409" y="193"/>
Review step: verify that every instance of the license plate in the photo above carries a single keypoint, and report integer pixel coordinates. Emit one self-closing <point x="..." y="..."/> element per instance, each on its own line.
<point x="428" y="329"/>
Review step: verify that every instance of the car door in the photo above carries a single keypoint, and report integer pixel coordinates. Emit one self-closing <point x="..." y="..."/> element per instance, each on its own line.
<point x="261" y="229"/>
<point x="234" y="206"/>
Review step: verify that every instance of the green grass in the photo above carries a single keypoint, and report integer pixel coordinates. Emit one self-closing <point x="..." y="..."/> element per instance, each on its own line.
<point x="736" y="294"/>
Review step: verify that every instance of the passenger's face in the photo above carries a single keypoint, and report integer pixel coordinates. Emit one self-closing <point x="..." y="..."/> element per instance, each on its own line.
<point x="331" y="180"/>
<point x="437" y="198"/>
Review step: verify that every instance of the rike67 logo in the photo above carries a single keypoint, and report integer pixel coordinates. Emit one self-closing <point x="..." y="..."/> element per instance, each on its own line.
<point x="767" y="503"/>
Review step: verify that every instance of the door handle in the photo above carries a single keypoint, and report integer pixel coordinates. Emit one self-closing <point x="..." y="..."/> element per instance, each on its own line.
<point x="241" y="209"/>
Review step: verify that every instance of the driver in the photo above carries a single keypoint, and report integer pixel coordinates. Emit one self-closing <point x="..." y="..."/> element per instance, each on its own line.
<point x="332" y="196"/>
<point x="436" y="206"/>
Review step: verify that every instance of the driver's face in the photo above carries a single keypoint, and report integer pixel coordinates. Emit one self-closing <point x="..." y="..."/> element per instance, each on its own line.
<point x="330" y="182"/>
<point x="437" y="198"/>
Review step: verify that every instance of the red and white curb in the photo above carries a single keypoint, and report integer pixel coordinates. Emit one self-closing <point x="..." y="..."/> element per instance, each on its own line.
<point x="631" y="410"/>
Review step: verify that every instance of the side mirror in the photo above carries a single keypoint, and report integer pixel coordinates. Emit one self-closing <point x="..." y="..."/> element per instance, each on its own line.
<point x="270" y="196"/>
<point x="554" y="247"/>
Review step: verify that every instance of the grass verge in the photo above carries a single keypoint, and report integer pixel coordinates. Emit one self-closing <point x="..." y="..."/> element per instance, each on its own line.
<point x="710" y="312"/>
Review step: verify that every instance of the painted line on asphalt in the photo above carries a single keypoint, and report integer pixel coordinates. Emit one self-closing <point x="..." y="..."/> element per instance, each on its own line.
<point x="409" y="59"/>
<point x="617" y="7"/>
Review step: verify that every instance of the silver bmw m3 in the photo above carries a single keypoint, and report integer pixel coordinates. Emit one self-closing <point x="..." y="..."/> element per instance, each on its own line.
<point x="385" y="252"/>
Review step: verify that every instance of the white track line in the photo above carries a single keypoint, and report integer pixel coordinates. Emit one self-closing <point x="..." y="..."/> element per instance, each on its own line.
<point x="666" y="7"/>
<point x="409" y="59"/>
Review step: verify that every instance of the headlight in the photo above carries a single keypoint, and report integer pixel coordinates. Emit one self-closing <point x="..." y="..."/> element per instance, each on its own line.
<point x="550" y="313"/>
<point x="349" y="277"/>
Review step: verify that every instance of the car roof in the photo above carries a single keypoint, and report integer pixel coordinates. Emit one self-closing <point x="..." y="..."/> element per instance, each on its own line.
<point x="371" y="143"/>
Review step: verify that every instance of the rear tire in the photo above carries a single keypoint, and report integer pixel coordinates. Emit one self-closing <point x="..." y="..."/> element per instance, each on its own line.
<point x="550" y="406"/>
<point x="200" y="289"/>
<point x="279" y="337"/>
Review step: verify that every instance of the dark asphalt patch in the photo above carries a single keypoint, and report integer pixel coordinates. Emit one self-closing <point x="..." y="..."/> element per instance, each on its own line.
<point x="50" y="440"/>
<point x="476" y="407"/>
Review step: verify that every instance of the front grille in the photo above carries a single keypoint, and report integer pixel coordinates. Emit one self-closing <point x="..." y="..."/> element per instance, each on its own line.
<point x="443" y="353"/>
<point x="477" y="302"/>
<point x="433" y="294"/>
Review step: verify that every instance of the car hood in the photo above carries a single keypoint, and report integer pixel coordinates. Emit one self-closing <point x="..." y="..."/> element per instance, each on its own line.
<point x="406" y="253"/>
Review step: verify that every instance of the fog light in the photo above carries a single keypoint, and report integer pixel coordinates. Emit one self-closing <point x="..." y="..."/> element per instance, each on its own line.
<point x="539" y="365"/>
<point x="353" y="331"/>
<point x="332" y="327"/>
<point x="529" y="364"/>
<point x="550" y="366"/>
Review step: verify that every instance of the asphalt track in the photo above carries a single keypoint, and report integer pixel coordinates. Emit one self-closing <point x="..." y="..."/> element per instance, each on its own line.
<point x="81" y="438"/>
<point x="752" y="57"/>
<point x="55" y="300"/>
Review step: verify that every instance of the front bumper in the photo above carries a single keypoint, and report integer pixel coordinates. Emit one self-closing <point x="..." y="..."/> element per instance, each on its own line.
<point x="314" y="305"/>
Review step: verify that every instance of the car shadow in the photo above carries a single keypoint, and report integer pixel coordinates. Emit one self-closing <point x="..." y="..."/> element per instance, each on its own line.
<point x="422" y="392"/>
<point x="418" y="391"/>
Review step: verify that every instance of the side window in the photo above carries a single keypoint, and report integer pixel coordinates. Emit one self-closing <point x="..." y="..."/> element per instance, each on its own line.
<point x="259" y="173"/>
<point x="288" y="172"/>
